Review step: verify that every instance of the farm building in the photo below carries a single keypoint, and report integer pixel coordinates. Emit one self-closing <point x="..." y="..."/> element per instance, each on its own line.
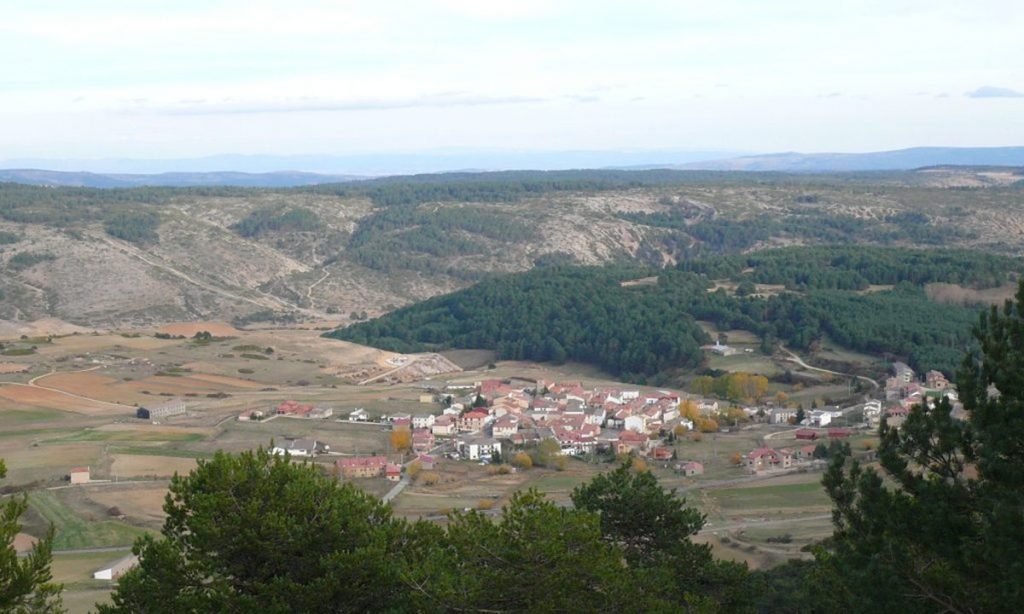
<point x="807" y="434"/>
<point x="79" y="475"/>
<point x="116" y="569"/>
<point x="170" y="408"/>
<point x="358" y="415"/>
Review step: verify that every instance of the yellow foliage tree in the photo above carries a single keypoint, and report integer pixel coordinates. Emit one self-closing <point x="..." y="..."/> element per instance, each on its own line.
<point x="689" y="409"/>
<point x="414" y="469"/>
<point x="736" y="458"/>
<point x="401" y="440"/>
<point x="639" y="465"/>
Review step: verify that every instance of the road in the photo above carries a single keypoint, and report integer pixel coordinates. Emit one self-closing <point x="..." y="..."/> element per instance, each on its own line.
<point x="800" y="361"/>
<point x="397" y="488"/>
<point x="32" y="384"/>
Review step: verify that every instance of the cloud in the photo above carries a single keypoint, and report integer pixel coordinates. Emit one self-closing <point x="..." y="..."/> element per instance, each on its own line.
<point x="988" y="91"/>
<point x="307" y="105"/>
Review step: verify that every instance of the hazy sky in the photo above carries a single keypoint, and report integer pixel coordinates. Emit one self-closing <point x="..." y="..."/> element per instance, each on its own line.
<point x="178" y="79"/>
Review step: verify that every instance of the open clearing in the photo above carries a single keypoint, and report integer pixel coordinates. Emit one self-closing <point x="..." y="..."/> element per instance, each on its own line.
<point x="132" y="465"/>
<point x="189" y="329"/>
<point x="50" y="399"/>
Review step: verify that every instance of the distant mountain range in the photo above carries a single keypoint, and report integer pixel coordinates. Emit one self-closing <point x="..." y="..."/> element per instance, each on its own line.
<point x="265" y="171"/>
<point x="900" y="159"/>
<point x="281" y="179"/>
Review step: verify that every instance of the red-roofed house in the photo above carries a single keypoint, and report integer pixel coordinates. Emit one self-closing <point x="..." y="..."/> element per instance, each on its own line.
<point x="423" y="440"/>
<point x="807" y="434"/>
<point x="762" y="459"/>
<point x="473" y="420"/>
<point x="662" y="453"/>
<point x="79" y="475"/>
<point x="629" y="441"/>
<point x="393" y="472"/>
<point x="838" y="433"/>
<point x="362" y="466"/>
<point x="690" y="469"/>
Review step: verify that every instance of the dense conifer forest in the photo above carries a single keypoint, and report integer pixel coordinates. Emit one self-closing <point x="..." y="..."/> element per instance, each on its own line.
<point x="638" y="331"/>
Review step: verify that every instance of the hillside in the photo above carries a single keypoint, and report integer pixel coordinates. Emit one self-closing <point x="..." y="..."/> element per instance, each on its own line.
<point x="339" y="252"/>
<point x="639" y="330"/>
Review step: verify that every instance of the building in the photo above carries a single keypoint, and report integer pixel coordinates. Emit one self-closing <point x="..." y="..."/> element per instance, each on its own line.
<point x="297" y="447"/>
<point x="662" y="453"/>
<point x="173" y="407"/>
<point x="807" y="434"/>
<point x="358" y="415"/>
<point x="444" y="426"/>
<point x="426" y="461"/>
<point x="423" y="421"/>
<point x="782" y="415"/>
<point x="838" y="433"/>
<point x="765" y="459"/>
<point x="79" y="475"/>
<point x="473" y="420"/>
<point x="505" y="427"/>
<point x="690" y="468"/>
<point x="423" y="440"/>
<point x="362" y="466"/>
<point x="118" y="568"/>
<point x="631" y="441"/>
<point x="477" y="447"/>
<point x="393" y="472"/>
<point x="321" y="412"/>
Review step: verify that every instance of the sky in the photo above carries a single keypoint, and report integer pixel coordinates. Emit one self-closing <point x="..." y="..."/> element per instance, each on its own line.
<point x="146" y="79"/>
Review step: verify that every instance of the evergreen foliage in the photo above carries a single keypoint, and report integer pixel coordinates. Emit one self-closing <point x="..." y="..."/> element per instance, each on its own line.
<point x="26" y="583"/>
<point x="945" y="531"/>
<point x="586" y="314"/>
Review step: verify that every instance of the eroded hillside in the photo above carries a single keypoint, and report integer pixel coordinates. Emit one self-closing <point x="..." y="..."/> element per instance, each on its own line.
<point x="342" y="253"/>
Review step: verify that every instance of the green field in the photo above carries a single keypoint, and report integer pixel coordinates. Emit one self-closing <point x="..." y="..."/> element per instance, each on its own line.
<point x="780" y="497"/>
<point x="135" y="435"/>
<point x="74" y="532"/>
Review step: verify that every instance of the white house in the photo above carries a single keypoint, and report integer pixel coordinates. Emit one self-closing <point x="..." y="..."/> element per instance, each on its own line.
<point x="423" y="421"/>
<point x="637" y="423"/>
<point x="296" y="447"/>
<point x="476" y="447"/>
<point x="358" y="415"/>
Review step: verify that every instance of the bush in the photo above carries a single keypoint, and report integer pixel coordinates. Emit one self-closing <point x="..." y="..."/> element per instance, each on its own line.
<point x="522" y="460"/>
<point x="485" y="504"/>
<point x="429" y="478"/>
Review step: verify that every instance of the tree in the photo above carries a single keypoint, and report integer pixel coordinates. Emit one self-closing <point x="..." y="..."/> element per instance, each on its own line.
<point x="256" y="531"/>
<point x="401" y="440"/>
<point x="539" y="557"/>
<point x="26" y="584"/>
<point x="800" y="415"/>
<point x="653" y="527"/>
<point x="947" y="532"/>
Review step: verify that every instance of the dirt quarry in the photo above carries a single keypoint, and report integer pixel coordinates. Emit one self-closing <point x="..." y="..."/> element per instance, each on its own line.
<point x="401" y="369"/>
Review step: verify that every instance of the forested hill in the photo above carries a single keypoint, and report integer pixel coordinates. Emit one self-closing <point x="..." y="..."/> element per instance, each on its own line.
<point x="641" y="330"/>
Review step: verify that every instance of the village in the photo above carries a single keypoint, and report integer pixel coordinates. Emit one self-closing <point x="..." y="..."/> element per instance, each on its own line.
<point x="490" y="420"/>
